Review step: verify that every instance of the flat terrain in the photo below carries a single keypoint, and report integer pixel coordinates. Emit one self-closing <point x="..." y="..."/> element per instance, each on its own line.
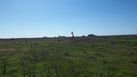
<point x="95" y="56"/>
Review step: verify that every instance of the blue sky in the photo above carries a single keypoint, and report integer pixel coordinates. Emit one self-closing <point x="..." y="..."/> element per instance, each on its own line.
<point x="38" y="18"/>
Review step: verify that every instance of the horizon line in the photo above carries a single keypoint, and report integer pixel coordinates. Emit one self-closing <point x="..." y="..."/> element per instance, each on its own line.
<point x="67" y="36"/>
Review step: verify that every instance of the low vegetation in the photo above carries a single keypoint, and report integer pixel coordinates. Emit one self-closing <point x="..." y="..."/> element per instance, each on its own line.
<point x="94" y="56"/>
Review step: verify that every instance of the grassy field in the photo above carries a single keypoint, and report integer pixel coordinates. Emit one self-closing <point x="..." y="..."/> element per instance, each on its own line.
<point x="97" y="56"/>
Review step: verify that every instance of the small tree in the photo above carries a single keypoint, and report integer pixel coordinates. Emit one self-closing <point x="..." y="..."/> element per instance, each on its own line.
<point x="72" y="34"/>
<point x="22" y="62"/>
<point x="4" y="62"/>
<point x="72" y="39"/>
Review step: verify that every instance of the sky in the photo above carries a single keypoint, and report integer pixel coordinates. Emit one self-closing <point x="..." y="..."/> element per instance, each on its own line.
<point x="40" y="18"/>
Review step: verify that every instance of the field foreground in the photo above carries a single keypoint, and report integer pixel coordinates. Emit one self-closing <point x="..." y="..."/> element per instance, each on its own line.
<point x="96" y="56"/>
